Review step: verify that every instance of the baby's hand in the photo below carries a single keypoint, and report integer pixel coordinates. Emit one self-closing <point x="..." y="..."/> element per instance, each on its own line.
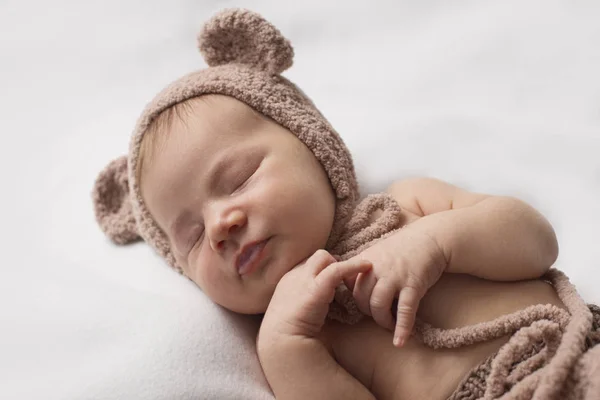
<point x="405" y="265"/>
<point x="302" y="297"/>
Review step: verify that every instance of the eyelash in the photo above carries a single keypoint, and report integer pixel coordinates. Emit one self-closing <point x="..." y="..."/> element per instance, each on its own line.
<point x="195" y="240"/>
<point x="244" y="183"/>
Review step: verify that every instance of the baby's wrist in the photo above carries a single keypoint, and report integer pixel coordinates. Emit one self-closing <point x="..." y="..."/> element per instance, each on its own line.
<point x="441" y="229"/>
<point x="271" y="340"/>
<point x="436" y="238"/>
<point x="272" y="346"/>
<point x="266" y="340"/>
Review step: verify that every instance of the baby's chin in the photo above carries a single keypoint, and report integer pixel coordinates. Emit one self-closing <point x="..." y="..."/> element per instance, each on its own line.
<point x="248" y="309"/>
<point x="257" y="304"/>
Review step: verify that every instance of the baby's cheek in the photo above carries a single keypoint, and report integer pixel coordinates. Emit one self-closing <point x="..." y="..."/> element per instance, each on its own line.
<point x="205" y="277"/>
<point x="268" y="189"/>
<point x="211" y="286"/>
<point x="209" y="277"/>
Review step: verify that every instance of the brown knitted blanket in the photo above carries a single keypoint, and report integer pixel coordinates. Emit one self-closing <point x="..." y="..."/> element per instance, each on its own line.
<point x="583" y="378"/>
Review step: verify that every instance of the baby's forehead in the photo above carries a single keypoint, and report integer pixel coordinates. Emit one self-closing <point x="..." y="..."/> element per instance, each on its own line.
<point x="212" y="122"/>
<point x="206" y="124"/>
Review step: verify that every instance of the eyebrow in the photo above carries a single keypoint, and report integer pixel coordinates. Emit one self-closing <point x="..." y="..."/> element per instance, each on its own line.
<point x="244" y="153"/>
<point x="218" y="168"/>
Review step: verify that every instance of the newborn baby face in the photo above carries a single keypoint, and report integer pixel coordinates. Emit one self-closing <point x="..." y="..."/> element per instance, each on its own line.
<point x="240" y="198"/>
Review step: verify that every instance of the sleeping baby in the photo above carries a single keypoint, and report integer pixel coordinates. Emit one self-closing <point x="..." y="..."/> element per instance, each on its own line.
<point x="425" y="291"/>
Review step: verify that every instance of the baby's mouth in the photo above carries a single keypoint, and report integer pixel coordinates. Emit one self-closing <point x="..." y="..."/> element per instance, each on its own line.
<point x="250" y="256"/>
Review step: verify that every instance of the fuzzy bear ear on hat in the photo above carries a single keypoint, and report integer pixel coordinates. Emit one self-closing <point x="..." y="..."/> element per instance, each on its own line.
<point x="112" y="203"/>
<point x="244" y="37"/>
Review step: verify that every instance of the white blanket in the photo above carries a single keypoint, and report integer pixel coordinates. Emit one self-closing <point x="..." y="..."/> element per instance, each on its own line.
<point x="495" y="96"/>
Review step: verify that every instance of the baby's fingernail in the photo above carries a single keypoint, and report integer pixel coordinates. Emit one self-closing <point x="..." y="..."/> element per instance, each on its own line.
<point x="398" y="341"/>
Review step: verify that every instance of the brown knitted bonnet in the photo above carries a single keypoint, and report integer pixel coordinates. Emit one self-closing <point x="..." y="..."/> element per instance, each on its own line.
<point x="246" y="56"/>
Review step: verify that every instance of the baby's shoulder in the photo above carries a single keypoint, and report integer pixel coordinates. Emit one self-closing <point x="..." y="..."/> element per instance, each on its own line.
<point x="422" y="196"/>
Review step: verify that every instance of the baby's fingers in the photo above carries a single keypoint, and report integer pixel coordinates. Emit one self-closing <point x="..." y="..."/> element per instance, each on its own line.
<point x="408" y="303"/>
<point x="329" y="278"/>
<point x="380" y="303"/>
<point x="363" y="290"/>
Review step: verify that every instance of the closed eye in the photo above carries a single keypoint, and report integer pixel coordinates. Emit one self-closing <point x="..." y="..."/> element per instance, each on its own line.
<point x="195" y="238"/>
<point x="244" y="183"/>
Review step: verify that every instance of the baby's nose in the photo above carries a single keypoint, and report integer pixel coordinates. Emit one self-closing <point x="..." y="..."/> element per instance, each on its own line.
<point x="225" y="227"/>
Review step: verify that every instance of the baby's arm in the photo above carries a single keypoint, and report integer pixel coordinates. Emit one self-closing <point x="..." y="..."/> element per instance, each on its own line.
<point x="448" y="230"/>
<point x="302" y="368"/>
<point x="491" y="237"/>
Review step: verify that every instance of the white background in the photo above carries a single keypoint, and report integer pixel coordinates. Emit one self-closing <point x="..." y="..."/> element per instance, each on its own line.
<point x="495" y="96"/>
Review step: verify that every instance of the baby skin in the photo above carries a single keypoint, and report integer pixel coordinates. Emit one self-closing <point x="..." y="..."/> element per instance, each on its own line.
<point x="248" y="209"/>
